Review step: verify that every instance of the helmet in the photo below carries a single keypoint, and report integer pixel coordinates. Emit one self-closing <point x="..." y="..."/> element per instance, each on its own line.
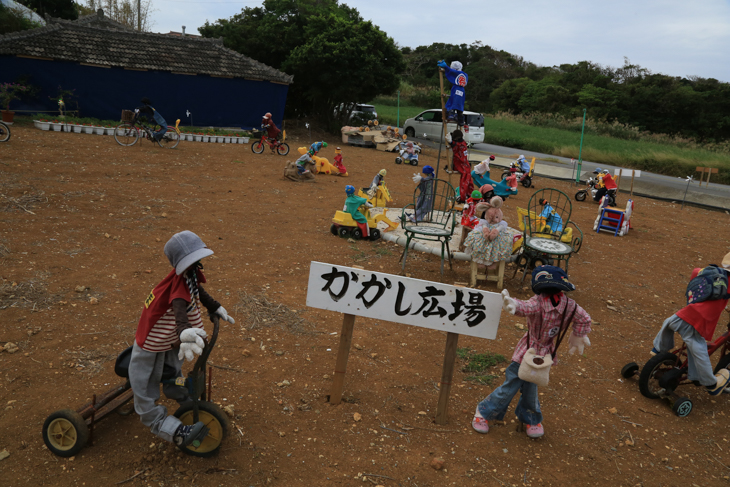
<point x="476" y="194"/>
<point x="324" y="144"/>
<point x="184" y="249"/>
<point x="598" y="170"/>
<point x="268" y="115"/>
<point x="456" y="65"/>
<point x="427" y="170"/>
<point x="350" y="189"/>
<point x="491" y="158"/>
<point x="522" y="156"/>
<point x="383" y="172"/>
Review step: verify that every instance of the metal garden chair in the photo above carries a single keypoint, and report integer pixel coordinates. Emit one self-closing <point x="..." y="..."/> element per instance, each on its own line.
<point x="430" y="216"/>
<point x="549" y="236"/>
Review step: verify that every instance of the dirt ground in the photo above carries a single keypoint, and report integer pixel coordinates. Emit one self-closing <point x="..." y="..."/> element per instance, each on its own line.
<point x="84" y="222"/>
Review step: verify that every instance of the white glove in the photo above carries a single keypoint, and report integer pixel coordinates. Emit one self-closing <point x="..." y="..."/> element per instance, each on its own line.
<point x="189" y="350"/>
<point x="578" y="343"/>
<point x="368" y="204"/>
<point x="417" y="178"/>
<point x="193" y="335"/>
<point x="221" y="311"/>
<point x="448" y="138"/>
<point x="508" y="303"/>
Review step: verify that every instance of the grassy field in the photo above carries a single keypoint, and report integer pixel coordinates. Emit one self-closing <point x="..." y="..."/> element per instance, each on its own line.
<point x="654" y="157"/>
<point x="388" y="114"/>
<point x="668" y="159"/>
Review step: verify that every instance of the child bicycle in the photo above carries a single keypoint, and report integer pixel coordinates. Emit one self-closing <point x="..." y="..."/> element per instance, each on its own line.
<point x="275" y="145"/>
<point x="132" y="128"/>
<point x="666" y="371"/>
<point x="4" y="132"/>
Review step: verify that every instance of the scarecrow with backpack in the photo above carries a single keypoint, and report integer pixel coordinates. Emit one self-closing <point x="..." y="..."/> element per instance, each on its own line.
<point x="707" y="297"/>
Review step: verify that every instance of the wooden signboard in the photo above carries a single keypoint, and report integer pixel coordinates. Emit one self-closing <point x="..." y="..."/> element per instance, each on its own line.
<point x="708" y="170"/>
<point x="626" y="172"/>
<point x="426" y="304"/>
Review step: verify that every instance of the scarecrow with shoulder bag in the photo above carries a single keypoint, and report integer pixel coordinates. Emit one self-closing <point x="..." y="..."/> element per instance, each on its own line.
<point x="549" y="314"/>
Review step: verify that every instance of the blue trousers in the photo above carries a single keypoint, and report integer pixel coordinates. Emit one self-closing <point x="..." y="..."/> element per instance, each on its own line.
<point x="495" y="405"/>
<point x="162" y="123"/>
<point x="699" y="367"/>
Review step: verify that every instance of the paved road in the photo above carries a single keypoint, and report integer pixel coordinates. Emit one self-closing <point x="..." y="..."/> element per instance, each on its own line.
<point x="648" y="184"/>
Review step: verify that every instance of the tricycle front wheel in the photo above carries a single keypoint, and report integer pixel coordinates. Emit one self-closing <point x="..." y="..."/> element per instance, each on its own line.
<point x="214" y="419"/>
<point x="652" y="371"/>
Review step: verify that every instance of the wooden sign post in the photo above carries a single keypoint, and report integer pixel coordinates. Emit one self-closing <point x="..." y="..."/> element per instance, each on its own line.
<point x="626" y="172"/>
<point x="357" y="292"/>
<point x="708" y="170"/>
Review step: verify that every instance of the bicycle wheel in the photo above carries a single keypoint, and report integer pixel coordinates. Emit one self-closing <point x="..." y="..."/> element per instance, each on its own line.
<point x="4" y="132"/>
<point x="126" y="134"/>
<point x="257" y="147"/>
<point x="170" y="139"/>
<point x="282" y="149"/>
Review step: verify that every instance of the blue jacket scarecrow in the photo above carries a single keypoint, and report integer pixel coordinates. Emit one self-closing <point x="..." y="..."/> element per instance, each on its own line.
<point x="458" y="80"/>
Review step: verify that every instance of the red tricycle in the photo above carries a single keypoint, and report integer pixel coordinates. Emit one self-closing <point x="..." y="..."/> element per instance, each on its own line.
<point x="666" y="371"/>
<point x="65" y="432"/>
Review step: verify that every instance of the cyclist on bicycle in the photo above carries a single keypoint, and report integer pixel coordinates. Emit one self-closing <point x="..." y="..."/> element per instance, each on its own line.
<point x="272" y="131"/>
<point x="606" y="183"/>
<point x="152" y="114"/>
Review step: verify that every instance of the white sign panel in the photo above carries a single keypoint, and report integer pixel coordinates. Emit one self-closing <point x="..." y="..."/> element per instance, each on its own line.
<point x="404" y="300"/>
<point x="627" y="172"/>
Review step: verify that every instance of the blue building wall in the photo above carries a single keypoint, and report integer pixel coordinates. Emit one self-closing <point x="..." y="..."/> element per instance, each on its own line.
<point x="104" y="92"/>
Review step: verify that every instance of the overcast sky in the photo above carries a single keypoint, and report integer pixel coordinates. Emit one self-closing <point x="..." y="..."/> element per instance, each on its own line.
<point x="674" y="37"/>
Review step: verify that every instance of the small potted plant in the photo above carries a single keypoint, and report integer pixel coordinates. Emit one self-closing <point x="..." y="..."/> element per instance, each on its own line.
<point x="197" y="137"/>
<point x="43" y="124"/>
<point x="8" y="93"/>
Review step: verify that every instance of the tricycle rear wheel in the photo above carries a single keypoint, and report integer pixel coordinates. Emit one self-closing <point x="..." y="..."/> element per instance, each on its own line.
<point x="65" y="433"/>
<point x="629" y="370"/>
<point x="651" y="372"/>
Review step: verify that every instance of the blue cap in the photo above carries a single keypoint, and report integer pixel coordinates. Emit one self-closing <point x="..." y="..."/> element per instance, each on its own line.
<point x="350" y="189"/>
<point x="597" y="170"/>
<point x="550" y="277"/>
<point x="427" y="170"/>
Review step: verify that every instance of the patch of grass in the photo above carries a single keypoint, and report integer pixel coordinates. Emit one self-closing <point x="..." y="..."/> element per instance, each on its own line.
<point x="359" y="254"/>
<point x="388" y="115"/>
<point x="661" y="158"/>
<point x="382" y="251"/>
<point x="478" y="362"/>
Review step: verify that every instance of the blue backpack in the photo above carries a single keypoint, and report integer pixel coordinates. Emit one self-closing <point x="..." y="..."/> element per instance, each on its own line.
<point x="709" y="284"/>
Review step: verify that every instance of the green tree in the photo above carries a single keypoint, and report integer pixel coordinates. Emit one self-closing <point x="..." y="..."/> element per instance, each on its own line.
<point x="12" y="20"/>
<point x="342" y="61"/>
<point x="62" y="9"/>
<point x="507" y="97"/>
<point x="334" y="55"/>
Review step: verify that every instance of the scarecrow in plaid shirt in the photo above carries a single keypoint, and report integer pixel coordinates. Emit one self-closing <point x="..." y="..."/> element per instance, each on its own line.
<point x="545" y="315"/>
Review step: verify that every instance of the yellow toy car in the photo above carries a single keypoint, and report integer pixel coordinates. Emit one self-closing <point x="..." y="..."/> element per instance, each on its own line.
<point x="345" y="226"/>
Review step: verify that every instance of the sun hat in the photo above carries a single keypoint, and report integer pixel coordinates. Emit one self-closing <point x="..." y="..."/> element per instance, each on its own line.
<point x="726" y="261"/>
<point x="550" y="277"/>
<point x="184" y="249"/>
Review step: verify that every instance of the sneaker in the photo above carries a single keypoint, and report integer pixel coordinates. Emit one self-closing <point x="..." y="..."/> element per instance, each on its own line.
<point x="723" y="378"/>
<point x="535" y="431"/>
<point x="653" y="351"/>
<point x="185" y="435"/>
<point x="480" y="425"/>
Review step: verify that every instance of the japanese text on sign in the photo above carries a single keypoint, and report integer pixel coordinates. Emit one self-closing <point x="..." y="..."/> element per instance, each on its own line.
<point x="404" y="300"/>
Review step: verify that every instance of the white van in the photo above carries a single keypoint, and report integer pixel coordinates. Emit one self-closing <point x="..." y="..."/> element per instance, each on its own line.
<point x="428" y="124"/>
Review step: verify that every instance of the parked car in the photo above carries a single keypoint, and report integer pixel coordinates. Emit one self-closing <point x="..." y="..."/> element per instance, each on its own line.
<point x="361" y="112"/>
<point x="429" y="124"/>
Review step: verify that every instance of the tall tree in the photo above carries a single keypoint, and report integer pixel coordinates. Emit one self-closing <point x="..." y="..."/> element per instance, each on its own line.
<point x="127" y="12"/>
<point x="334" y="55"/>
<point x="61" y="9"/>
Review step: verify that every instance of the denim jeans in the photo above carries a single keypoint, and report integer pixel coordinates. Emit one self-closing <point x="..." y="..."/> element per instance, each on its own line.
<point x="699" y="367"/>
<point x="495" y="405"/>
<point x="162" y="123"/>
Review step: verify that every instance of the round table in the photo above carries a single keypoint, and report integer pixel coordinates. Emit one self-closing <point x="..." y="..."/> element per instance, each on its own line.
<point x="549" y="246"/>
